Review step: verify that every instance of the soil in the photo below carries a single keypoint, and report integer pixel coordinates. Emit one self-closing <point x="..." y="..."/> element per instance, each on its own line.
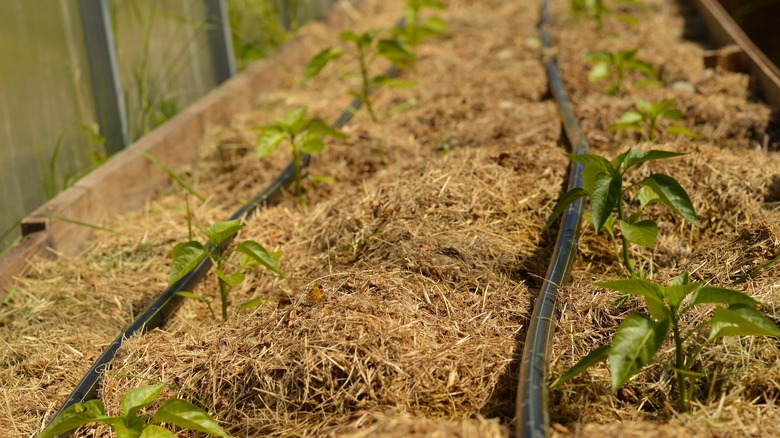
<point x="410" y="280"/>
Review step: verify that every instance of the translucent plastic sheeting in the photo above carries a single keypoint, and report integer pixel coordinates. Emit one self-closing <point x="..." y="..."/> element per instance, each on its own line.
<point x="44" y="94"/>
<point x="163" y="55"/>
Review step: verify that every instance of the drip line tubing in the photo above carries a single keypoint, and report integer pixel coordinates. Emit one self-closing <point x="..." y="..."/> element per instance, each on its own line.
<point x="533" y="419"/>
<point x="159" y="311"/>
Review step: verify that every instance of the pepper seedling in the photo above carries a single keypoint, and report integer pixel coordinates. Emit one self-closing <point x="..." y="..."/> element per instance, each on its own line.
<point x="640" y="336"/>
<point x="616" y="65"/>
<point x="646" y="116"/>
<point x="304" y="136"/>
<point x="129" y="424"/>
<point x="367" y="48"/>
<point x="188" y="255"/>
<point x="415" y="29"/>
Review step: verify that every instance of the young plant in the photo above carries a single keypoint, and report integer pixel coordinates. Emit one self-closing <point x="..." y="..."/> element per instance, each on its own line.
<point x="640" y="336"/>
<point x="367" y="49"/>
<point x="304" y="136"/>
<point x="603" y="185"/>
<point x="416" y="30"/>
<point x="594" y="9"/>
<point x="650" y="115"/>
<point x="129" y="424"/>
<point x="188" y="255"/>
<point x="615" y="66"/>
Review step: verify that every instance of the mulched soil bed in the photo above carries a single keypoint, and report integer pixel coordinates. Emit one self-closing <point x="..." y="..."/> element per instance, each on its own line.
<point x="409" y="281"/>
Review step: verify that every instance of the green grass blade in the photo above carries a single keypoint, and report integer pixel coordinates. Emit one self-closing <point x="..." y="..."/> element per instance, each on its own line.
<point x="174" y="176"/>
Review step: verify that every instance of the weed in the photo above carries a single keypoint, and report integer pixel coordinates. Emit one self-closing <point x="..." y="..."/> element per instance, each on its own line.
<point x="649" y="115"/>
<point x="129" y="424"/>
<point x="304" y="136"/>
<point x="603" y="184"/>
<point x="616" y="65"/>
<point x="367" y="48"/>
<point x="188" y="255"/>
<point x="640" y="336"/>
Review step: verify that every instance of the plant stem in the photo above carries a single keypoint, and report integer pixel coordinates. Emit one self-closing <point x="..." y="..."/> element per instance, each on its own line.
<point x="626" y="259"/>
<point x="223" y="287"/>
<point x="366" y="85"/>
<point x="297" y="171"/>
<point x="682" y="389"/>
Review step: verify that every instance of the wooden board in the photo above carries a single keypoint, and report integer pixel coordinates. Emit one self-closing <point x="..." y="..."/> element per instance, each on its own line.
<point x="127" y="180"/>
<point x="726" y="31"/>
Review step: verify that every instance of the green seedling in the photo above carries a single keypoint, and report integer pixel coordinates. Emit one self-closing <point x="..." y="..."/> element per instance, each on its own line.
<point x="188" y="255"/>
<point x="416" y="30"/>
<point x="645" y="119"/>
<point x="367" y="48"/>
<point x="615" y="66"/>
<point x="603" y="184"/>
<point x="639" y="336"/>
<point x="304" y="136"/>
<point x="594" y="9"/>
<point x="129" y="424"/>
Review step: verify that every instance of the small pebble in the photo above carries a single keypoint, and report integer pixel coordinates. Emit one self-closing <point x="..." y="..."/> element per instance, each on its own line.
<point x="683" y="86"/>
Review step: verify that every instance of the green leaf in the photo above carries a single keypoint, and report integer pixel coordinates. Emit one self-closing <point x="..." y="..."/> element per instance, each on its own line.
<point x="586" y="362"/>
<point x="186" y="256"/>
<point x="316" y="64"/>
<point x="172" y="175"/>
<point x="658" y="109"/>
<point x="231" y="280"/>
<point x="394" y="52"/>
<point x="257" y="254"/>
<point x="675" y="293"/>
<point x="253" y="303"/>
<point x="604" y="198"/>
<point x="682" y="130"/>
<point x="673" y="195"/>
<point x="153" y="431"/>
<point x="741" y="320"/>
<point x="636" y="341"/>
<point x="719" y="295"/>
<point x="651" y="292"/>
<point x="599" y="71"/>
<point x="642" y="67"/>
<point x="672" y="114"/>
<point x="317" y="127"/>
<point x="294" y="121"/>
<point x="221" y="231"/>
<point x="600" y="56"/>
<point x="645" y="108"/>
<point x="188" y="416"/>
<point x="646" y="196"/>
<point x="268" y="141"/>
<point x="625" y="127"/>
<point x="680" y="279"/>
<point x="563" y="202"/>
<point x="322" y="179"/>
<point x="138" y="398"/>
<point x="642" y="233"/>
<point x="631" y="117"/>
<point x="435" y="26"/>
<point x="593" y="160"/>
<point x="635" y="157"/>
<point x="589" y="177"/>
<point x="312" y="144"/>
<point x="76" y="415"/>
<point x="384" y="81"/>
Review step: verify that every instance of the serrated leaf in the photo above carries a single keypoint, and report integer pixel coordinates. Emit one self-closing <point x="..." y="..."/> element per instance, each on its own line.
<point x="682" y="130"/>
<point x="76" y="415"/>
<point x="138" y="398"/>
<point x="650" y="291"/>
<point x="186" y="256"/>
<point x="599" y="71"/>
<point x="316" y="64"/>
<point x="635" y="343"/>
<point x="563" y="202"/>
<point x="188" y="416"/>
<point x="642" y="233"/>
<point x="636" y="157"/>
<point x="672" y="194"/>
<point x="154" y="431"/>
<point x="594" y="357"/>
<point x="256" y="253"/>
<point x="604" y="198"/>
<point x="219" y="232"/>
<point x="741" y="320"/>
<point x="268" y="141"/>
<point x="719" y="295"/>
<point x="231" y="280"/>
<point x="592" y="160"/>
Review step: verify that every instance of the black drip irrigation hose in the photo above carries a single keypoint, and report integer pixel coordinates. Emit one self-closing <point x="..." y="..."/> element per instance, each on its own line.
<point x="159" y="311"/>
<point x="533" y="419"/>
